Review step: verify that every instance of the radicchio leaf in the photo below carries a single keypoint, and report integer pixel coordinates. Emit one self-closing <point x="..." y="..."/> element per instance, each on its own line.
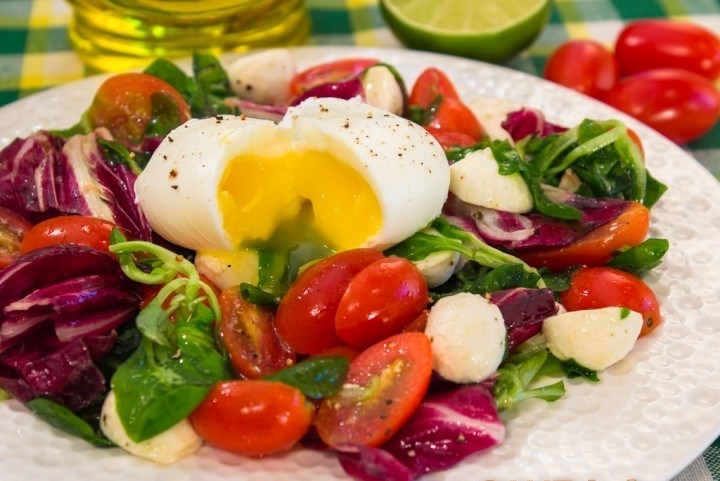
<point x="523" y="311"/>
<point x="44" y="175"/>
<point x="346" y="90"/>
<point x="528" y="121"/>
<point x="525" y="231"/>
<point x="446" y="428"/>
<point x="59" y="308"/>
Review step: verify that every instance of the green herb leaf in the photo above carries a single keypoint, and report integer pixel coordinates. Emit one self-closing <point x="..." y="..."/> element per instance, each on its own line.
<point x="642" y="258"/>
<point x="315" y="377"/>
<point x="67" y="421"/>
<point x="516" y="376"/>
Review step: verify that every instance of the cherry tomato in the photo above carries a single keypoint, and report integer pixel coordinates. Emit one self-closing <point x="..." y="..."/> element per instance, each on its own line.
<point x="385" y="384"/>
<point x="253" y="417"/>
<point x="305" y="318"/>
<point x="248" y="332"/>
<point x="381" y="300"/>
<point x="123" y="104"/>
<point x="586" y="66"/>
<point x="598" y="287"/>
<point x="597" y="246"/>
<point x="430" y="84"/>
<point x="13" y="229"/>
<point x="651" y="44"/>
<point x="679" y="104"/>
<point x="329" y="72"/>
<point x="449" y="139"/>
<point x="433" y="87"/>
<point x="69" y="229"/>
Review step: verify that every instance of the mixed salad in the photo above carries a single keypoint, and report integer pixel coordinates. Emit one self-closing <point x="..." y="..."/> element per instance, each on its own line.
<point x="394" y="340"/>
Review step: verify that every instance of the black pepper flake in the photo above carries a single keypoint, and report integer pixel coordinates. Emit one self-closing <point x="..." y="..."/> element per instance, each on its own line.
<point x="346" y="125"/>
<point x="170" y="139"/>
<point x="175" y="187"/>
<point x="173" y="174"/>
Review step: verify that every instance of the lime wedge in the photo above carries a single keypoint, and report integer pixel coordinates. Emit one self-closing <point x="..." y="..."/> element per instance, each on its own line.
<point x="489" y="30"/>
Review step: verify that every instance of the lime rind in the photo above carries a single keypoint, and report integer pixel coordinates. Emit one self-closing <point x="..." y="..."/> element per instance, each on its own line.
<point x="495" y="43"/>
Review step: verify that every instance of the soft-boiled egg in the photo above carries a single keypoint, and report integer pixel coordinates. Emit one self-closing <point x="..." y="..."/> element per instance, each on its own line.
<point x="334" y="173"/>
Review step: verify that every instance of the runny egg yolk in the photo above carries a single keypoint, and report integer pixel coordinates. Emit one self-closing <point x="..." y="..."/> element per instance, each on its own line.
<point x="312" y="197"/>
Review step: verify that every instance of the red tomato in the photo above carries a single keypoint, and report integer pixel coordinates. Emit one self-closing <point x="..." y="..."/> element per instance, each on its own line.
<point x="452" y="114"/>
<point x="329" y="72"/>
<point x="430" y="84"/>
<point x="253" y="417"/>
<point x="679" y="104"/>
<point x="69" y="229"/>
<point x="449" y="139"/>
<point x="123" y="105"/>
<point x="586" y="66"/>
<point x="248" y="333"/>
<point x="597" y="246"/>
<point x="651" y="44"/>
<point x="598" y="287"/>
<point x="305" y="318"/>
<point x="385" y="384"/>
<point x="13" y="229"/>
<point x="381" y="300"/>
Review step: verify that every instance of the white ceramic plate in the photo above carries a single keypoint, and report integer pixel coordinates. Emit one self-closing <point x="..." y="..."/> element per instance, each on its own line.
<point x="648" y="418"/>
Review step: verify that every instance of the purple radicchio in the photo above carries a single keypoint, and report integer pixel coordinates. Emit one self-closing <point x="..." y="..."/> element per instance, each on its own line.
<point x="523" y="311"/>
<point x="447" y="427"/>
<point x="516" y="232"/>
<point x="60" y="307"/>
<point x="45" y="175"/>
<point x="528" y="121"/>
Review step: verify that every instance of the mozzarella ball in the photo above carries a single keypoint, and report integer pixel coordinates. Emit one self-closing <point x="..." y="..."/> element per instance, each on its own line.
<point x="468" y="337"/>
<point x="336" y="173"/>
<point x="476" y="180"/>
<point x="437" y="267"/>
<point x="167" y="447"/>
<point x="382" y="89"/>
<point x="263" y="77"/>
<point x="594" y="338"/>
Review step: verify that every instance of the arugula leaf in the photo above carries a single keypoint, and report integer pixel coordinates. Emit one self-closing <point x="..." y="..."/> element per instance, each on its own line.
<point x="315" y="377"/>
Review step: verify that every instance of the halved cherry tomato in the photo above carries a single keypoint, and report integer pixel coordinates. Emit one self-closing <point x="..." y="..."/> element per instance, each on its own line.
<point x="434" y="88"/>
<point x="69" y="229"/>
<point x="597" y="246"/>
<point x="679" y="104"/>
<point x="305" y="318"/>
<point x="13" y="229"/>
<point x="430" y="84"/>
<point x="384" y="386"/>
<point x="650" y="44"/>
<point x="598" y="287"/>
<point x="381" y="300"/>
<point x="329" y="72"/>
<point x="449" y="139"/>
<point x="584" y="65"/>
<point x="123" y="104"/>
<point x="253" y="417"/>
<point x="248" y="332"/>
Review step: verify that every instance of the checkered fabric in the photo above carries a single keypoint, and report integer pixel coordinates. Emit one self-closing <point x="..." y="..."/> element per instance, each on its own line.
<point x="35" y="54"/>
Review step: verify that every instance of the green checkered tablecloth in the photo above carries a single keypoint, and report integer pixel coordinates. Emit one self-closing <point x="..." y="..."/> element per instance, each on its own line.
<point x="35" y="55"/>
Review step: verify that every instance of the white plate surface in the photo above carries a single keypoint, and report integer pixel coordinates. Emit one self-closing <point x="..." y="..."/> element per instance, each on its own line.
<point x="648" y="418"/>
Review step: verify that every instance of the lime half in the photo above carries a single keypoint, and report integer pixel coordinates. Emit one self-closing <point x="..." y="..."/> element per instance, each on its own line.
<point x="489" y="30"/>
